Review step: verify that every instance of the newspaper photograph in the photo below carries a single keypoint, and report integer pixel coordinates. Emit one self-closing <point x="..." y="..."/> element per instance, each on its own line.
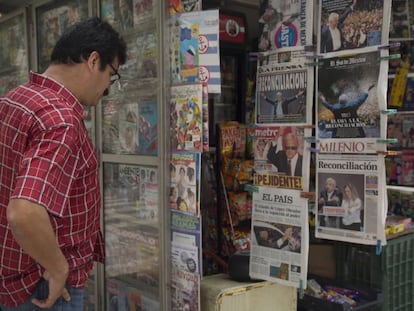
<point x="351" y="92"/>
<point x="285" y="23"/>
<point x="280" y="150"/>
<point x="352" y="24"/>
<point x="350" y="194"/>
<point x="284" y="90"/>
<point x="280" y="237"/>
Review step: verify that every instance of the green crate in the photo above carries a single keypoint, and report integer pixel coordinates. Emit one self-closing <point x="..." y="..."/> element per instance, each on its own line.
<point x="392" y="271"/>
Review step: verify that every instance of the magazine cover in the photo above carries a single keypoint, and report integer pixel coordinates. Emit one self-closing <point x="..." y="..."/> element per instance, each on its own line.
<point x="208" y="47"/>
<point x="185" y="168"/>
<point x="185" y="229"/>
<point x="186" y="117"/>
<point x="351" y="92"/>
<point x="148" y="138"/>
<point x="352" y="24"/>
<point x="117" y="296"/>
<point x="181" y="6"/>
<point x="147" y="57"/>
<point x="280" y="152"/>
<point x="128" y="128"/>
<point x="350" y="198"/>
<point x="284" y="89"/>
<point x="144" y="11"/>
<point x="185" y="290"/>
<point x="401" y="201"/>
<point x="407" y="167"/>
<point x="52" y="19"/>
<point x="285" y="23"/>
<point x="400" y="20"/>
<point x="185" y="257"/>
<point x="184" y="50"/>
<point x="280" y="237"/>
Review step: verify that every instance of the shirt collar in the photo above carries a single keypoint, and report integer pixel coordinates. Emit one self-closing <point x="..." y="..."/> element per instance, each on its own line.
<point x="47" y="82"/>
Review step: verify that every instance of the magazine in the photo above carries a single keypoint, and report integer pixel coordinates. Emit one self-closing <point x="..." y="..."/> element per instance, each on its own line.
<point x="185" y="170"/>
<point x="352" y="24"/>
<point x="208" y="46"/>
<point x="351" y="93"/>
<point x="185" y="290"/>
<point x="128" y="128"/>
<point x="280" y="237"/>
<point x="350" y="198"/>
<point x="144" y="11"/>
<point x="285" y="23"/>
<point x="148" y="138"/>
<point x="400" y="20"/>
<point x="284" y="89"/>
<point x="181" y="6"/>
<point x="186" y="118"/>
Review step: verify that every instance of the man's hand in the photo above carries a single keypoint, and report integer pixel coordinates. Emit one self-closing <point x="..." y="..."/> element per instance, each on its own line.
<point x="56" y="290"/>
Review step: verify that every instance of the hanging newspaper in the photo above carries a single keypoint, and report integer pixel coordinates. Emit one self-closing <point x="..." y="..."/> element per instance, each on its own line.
<point x="280" y="237"/>
<point x="280" y="157"/>
<point x="351" y="92"/>
<point x="350" y="194"/>
<point x="285" y="23"/>
<point x="284" y="89"/>
<point x="352" y="24"/>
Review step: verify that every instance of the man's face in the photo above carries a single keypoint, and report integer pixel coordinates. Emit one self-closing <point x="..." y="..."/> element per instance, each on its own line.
<point x="291" y="147"/>
<point x="329" y="186"/>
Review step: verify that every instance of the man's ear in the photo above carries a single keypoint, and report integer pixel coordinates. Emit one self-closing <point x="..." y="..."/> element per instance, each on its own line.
<point x="93" y="61"/>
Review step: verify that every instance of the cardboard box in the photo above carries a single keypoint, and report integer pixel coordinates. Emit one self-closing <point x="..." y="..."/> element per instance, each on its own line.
<point x="220" y="293"/>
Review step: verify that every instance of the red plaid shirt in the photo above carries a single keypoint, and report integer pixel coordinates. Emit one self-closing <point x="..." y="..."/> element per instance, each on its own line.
<point x="47" y="157"/>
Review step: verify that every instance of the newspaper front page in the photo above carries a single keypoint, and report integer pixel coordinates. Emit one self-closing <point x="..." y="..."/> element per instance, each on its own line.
<point x="280" y="236"/>
<point x="350" y="196"/>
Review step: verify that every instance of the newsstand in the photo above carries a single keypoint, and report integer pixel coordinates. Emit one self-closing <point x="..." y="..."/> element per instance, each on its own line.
<point x="391" y="270"/>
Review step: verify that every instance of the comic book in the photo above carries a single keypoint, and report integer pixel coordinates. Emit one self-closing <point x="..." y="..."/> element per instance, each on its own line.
<point x="185" y="169"/>
<point x="110" y="125"/>
<point x="185" y="288"/>
<point x="147" y="138"/>
<point x="285" y="23"/>
<point x="144" y="11"/>
<point x="186" y="117"/>
<point x="128" y="128"/>
<point x="184" y="50"/>
<point x="351" y="93"/>
<point x="352" y="24"/>
<point x="284" y="87"/>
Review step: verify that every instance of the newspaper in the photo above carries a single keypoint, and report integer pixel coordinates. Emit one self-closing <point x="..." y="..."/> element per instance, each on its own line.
<point x="352" y="24"/>
<point x="281" y="150"/>
<point x="280" y="237"/>
<point x="285" y="23"/>
<point x="351" y="198"/>
<point x="351" y="93"/>
<point x="284" y="89"/>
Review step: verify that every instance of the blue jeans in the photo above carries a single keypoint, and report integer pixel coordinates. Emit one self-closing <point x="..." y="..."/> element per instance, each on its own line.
<point x="42" y="290"/>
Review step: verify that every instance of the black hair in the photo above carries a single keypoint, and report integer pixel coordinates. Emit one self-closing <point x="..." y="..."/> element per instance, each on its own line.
<point x="79" y="40"/>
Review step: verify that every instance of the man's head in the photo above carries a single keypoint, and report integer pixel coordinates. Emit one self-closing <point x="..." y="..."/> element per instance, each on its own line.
<point x="279" y="96"/>
<point x="343" y="99"/>
<point x="100" y="50"/>
<point x="330" y="184"/>
<point x="333" y="20"/>
<point x="290" y="145"/>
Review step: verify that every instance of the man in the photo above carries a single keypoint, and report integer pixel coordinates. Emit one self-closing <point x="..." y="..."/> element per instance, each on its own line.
<point x="50" y="198"/>
<point x="330" y="196"/>
<point x="331" y="34"/>
<point x="288" y="160"/>
<point x="280" y="105"/>
<point x="345" y="113"/>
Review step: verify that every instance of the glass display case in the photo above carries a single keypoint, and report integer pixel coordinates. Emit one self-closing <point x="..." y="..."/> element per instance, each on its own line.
<point x="14" y="61"/>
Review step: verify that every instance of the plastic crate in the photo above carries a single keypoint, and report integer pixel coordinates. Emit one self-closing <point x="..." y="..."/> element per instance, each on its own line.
<point x="392" y="271"/>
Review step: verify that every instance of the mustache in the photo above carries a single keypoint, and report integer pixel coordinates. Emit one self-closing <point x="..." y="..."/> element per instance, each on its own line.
<point x="106" y="92"/>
